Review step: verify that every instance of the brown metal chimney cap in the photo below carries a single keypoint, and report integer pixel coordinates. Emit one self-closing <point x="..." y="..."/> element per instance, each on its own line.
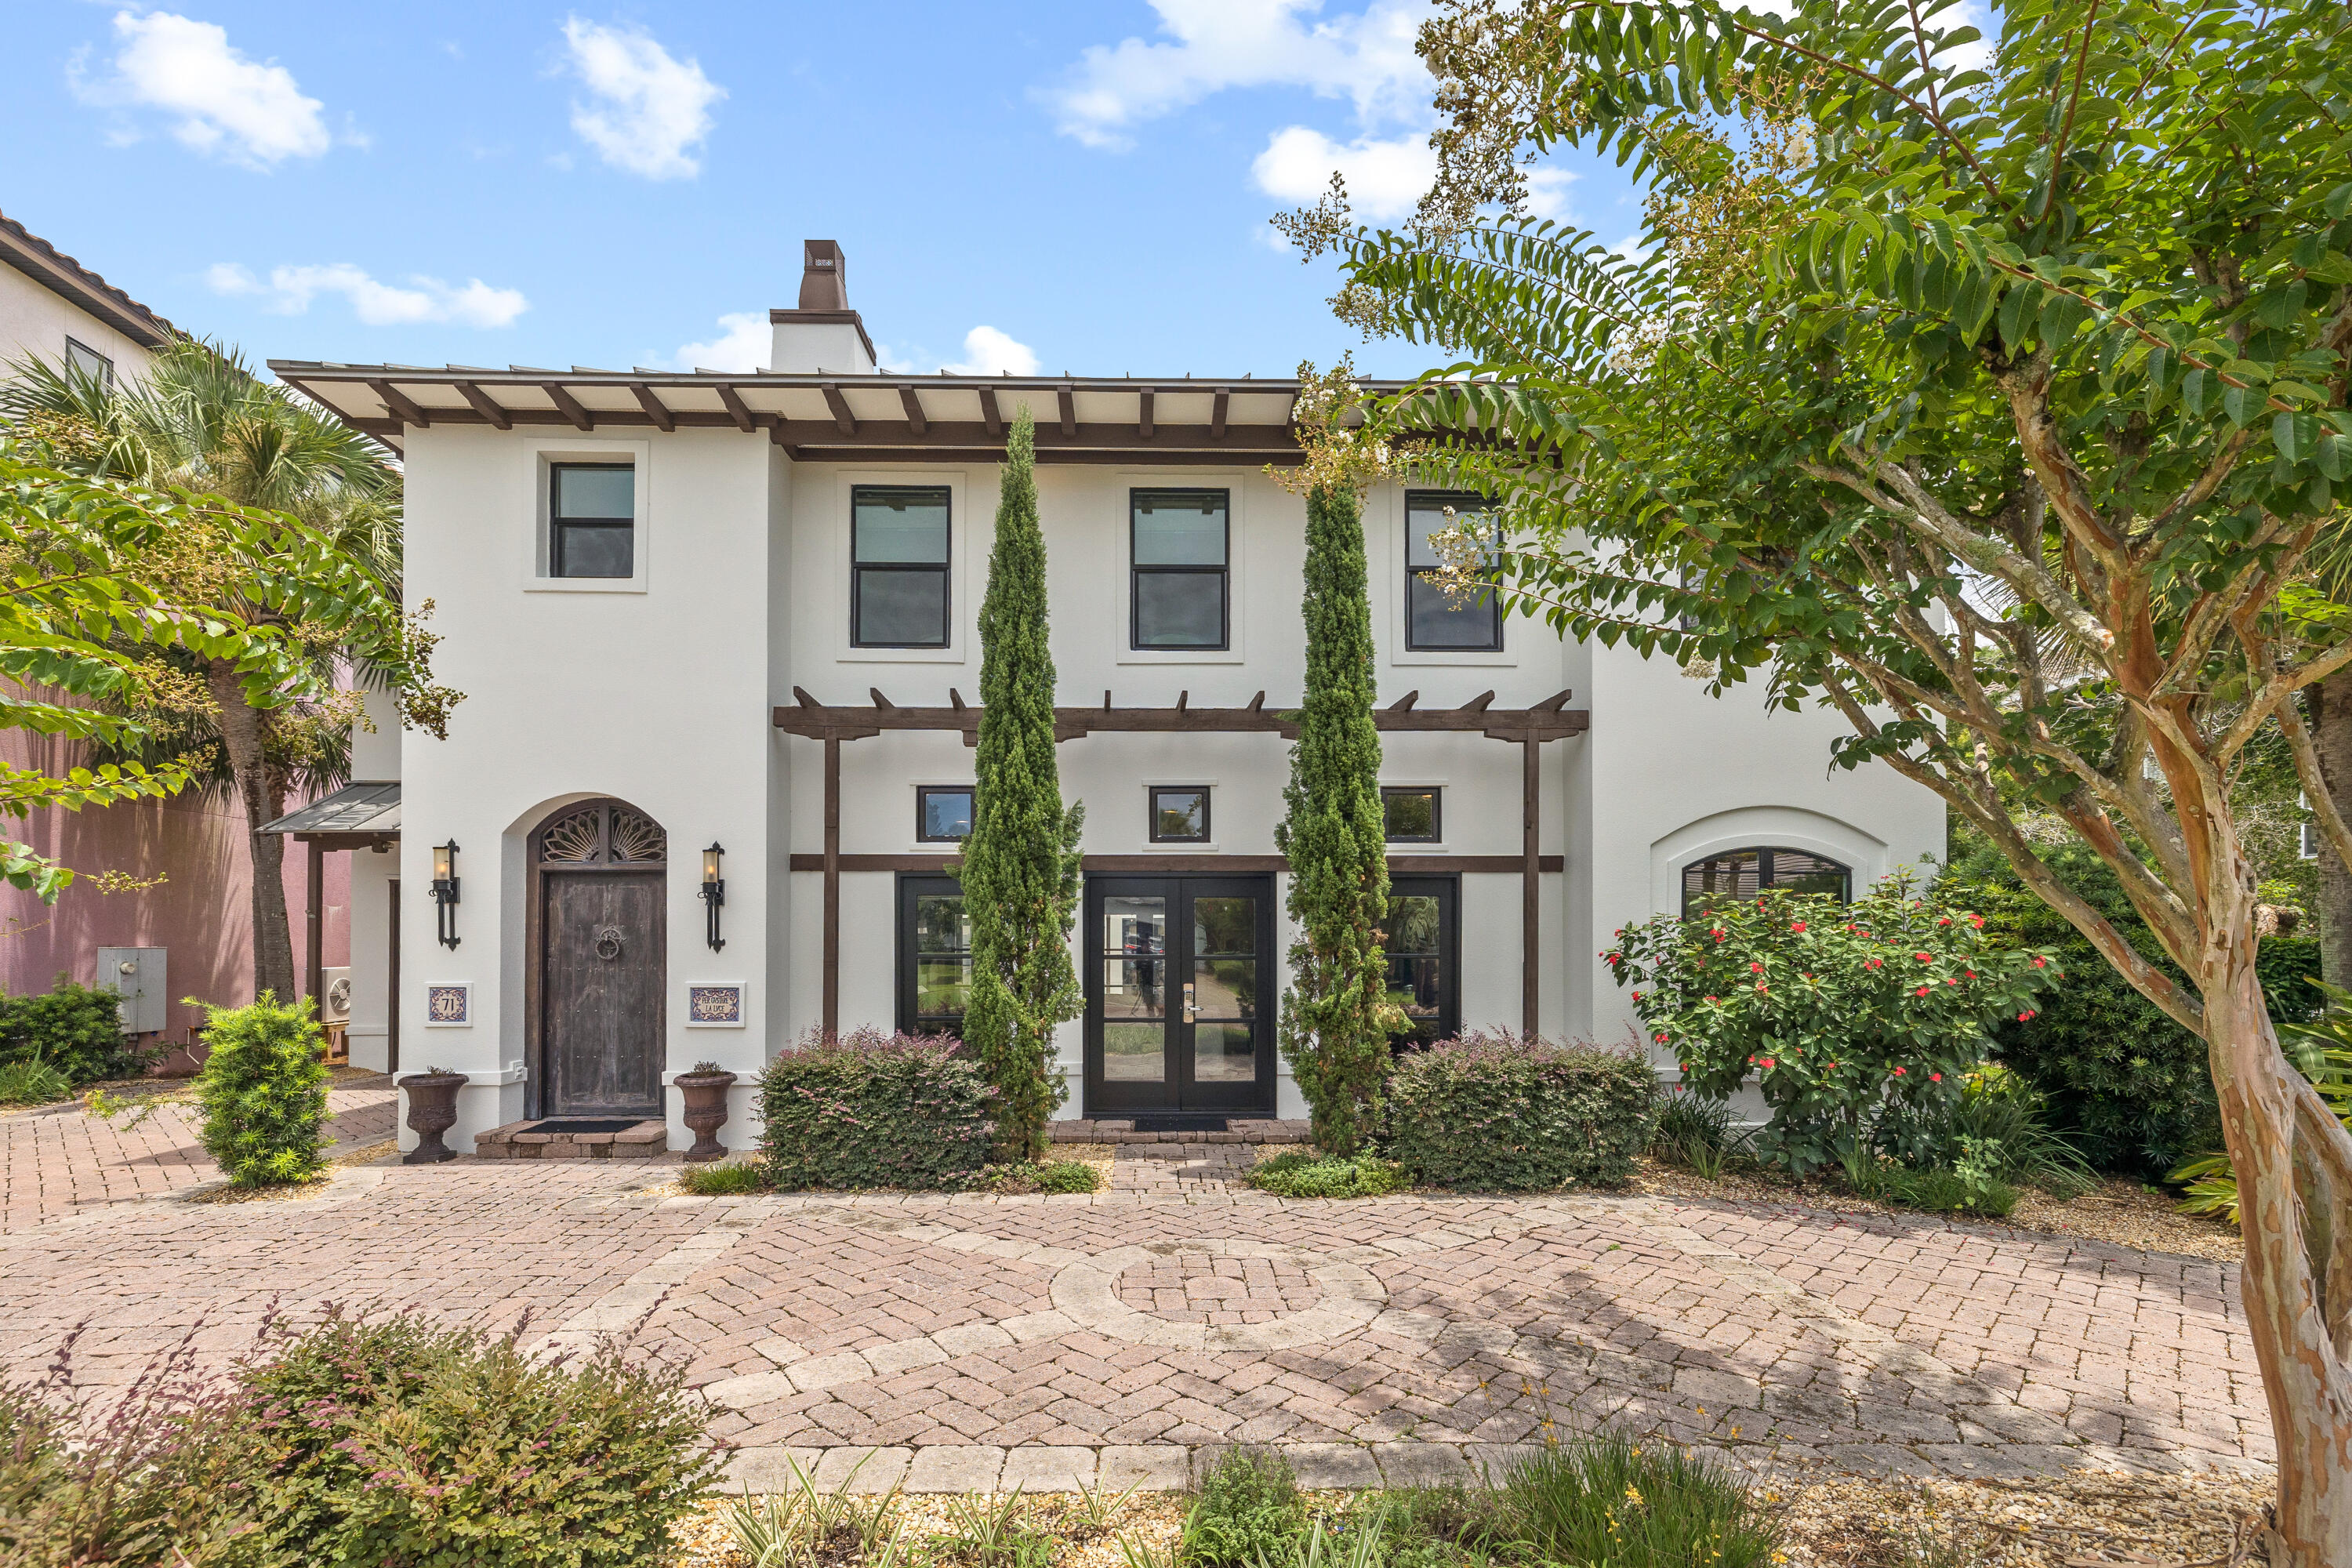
<point x="824" y="281"/>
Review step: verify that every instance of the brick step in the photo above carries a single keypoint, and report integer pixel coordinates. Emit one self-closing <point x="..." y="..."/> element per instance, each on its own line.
<point x="1108" y="1131"/>
<point x="642" y="1141"/>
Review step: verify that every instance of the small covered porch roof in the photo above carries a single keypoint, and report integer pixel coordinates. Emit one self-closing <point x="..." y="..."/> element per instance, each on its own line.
<point x="359" y="815"/>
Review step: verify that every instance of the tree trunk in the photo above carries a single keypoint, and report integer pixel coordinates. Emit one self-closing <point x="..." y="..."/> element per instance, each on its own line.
<point x="240" y="728"/>
<point x="2331" y="736"/>
<point x="2294" y="1165"/>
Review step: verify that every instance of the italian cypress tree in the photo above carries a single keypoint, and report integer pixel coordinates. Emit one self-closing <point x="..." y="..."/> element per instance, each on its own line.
<point x="1021" y="860"/>
<point x="1333" y="1029"/>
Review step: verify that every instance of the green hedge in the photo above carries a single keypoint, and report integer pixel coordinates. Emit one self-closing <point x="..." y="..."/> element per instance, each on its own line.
<point x="1499" y="1113"/>
<point x="870" y="1109"/>
<point x="73" y="1028"/>
<point x="2129" y="1086"/>
<point x="264" y="1092"/>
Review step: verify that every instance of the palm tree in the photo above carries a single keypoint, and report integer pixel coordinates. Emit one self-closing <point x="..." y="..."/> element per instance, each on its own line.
<point x="202" y="421"/>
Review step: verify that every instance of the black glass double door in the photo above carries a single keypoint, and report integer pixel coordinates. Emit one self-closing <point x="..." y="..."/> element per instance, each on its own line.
<point x="1180" y="1010"/>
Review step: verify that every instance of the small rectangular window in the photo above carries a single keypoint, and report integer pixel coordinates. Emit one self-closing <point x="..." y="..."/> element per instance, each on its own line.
<point x="87" y="361"/>
<point x="1435" y="620"/>
<point x="592" y="519"/>
<point x="1178" y="542"/>
<point x="898" y="554"/>
<point x="943" y="814"/>
<point x="1179" y="816"/>
<point x="1412" y="815"/>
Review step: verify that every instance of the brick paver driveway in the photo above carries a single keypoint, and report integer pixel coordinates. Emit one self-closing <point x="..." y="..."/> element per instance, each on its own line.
<point x="978" y="1341"/>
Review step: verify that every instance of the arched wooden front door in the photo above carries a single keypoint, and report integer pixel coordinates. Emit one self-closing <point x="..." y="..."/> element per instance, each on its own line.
<point x="600" y="904"/>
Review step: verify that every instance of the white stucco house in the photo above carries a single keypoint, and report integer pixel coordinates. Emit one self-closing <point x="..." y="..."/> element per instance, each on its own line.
<point x="718" y="626"/>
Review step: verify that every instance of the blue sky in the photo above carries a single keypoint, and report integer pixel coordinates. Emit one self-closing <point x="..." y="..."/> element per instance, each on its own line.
<point x="1080" y="187"/>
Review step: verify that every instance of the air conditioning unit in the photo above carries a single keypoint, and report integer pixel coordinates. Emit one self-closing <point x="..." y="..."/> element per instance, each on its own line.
<point x="335" y="995"/>
<point x="137" y="975"/>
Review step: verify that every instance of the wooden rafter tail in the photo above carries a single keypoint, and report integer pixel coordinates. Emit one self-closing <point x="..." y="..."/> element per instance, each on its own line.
<point x="1552" y="704"/>
<point x="1181" y="699"/>
<point x="1257" y="703"/>
<point x="1477" y="704"/>
<point x="804" y="699"/>
<point x="879" y="700"/>
<point x="955" y="700"/>
<point x="1404" y="703"/>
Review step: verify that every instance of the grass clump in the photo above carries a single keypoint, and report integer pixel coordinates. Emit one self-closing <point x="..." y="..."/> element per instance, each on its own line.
<point x="1295" y="1174"/>
<point x="723" y="1179"/>
<point x="1039" y="1177"/>
<point x="33" y="1082"/>
<point x="1637" y="1502"/>
<point x="1700" y="1134"/>
<point x="1250" y="1511"/>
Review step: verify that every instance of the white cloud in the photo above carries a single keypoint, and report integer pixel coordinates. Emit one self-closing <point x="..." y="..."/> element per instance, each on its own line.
<point x="246" y="111"/>
<point x="289" y="291"/>
<point x="1384" y="178"/>
<point x="986" y="352"/>
<point x="1547" y="193"/>
<point x="743" y="345"/>
<point x="648" y="110"/>
<point x="1367" y="58"/>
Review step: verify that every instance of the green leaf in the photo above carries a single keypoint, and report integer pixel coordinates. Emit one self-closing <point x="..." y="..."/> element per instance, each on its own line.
<point x="2242" y="404"/>
<point x="2016" y="309"/>
<point x="2060" y="315"/>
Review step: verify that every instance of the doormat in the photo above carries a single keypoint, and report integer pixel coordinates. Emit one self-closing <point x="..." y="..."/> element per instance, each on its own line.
<point x="1174" y="1121"/>
<point x="621" y="1124"/>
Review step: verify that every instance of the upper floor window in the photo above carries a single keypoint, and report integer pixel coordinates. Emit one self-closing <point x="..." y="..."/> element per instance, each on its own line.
<point x="942" y="813"/>
<point x="1179" y="816"/>
<point x="1179" y="543"/>
<point x="1435" y="620"/>
<point x="1742" y="873"/>
<point x="89" y="361"/>
<point x="899" y="555"/>
<point x="1413" y="815"/>
<point x="592" y="519"/>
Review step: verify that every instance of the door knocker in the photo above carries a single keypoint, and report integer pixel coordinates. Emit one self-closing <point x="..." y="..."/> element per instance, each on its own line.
<point x="608" y="943"/>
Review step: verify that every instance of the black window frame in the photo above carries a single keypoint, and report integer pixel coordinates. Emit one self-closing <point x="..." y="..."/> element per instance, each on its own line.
<point x="105" y="374"/>
<point x="1152" y="813"/>
<point x="923" y="794"/>
<point x="944" y="568"/>
<point x="1460" y="500"/>
<point x="558" y="522"/>
<point x="912" y="888"/>
<point x="1448" y="891"/>
<point x="1437" y="834"/>
<point x="1223" y="572"/>
<point x="1764" y="872"/>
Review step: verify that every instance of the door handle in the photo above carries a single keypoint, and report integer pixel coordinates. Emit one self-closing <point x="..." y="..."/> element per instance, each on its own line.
<point x="1189" y="1008"/>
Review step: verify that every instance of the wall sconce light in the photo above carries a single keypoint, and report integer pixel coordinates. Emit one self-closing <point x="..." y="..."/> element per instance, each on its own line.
<point x="714" y="892"/>
<point x="444" y="890"/>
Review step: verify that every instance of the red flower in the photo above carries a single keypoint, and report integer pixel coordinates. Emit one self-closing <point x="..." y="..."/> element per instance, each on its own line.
<point x="1923" y="991"/>
<point x="1898" y="1072"/>
<point x="1710" y="998"/>
<point x="1760" y="985"/>
<point x="2043" y="964"/>
<point x="1977" y="921"/>
<point x="1935" y="1078"/>
<point x="1798" y="925"/>
<point x="1637" y="995"/>
<point x="1766" y="1062"/>
<point x="2022" y="1018"/>
<point x="1949" y="981"/>
<point x="1945" y="922"/>
<point x="1809" y="977"/>
<point x="1873" y="964"/>
<point x="1755" y="969"/>
<point x="1971" y="975"/>
<point x="1923" y="958"/>
<point x="1660" y="1038"/>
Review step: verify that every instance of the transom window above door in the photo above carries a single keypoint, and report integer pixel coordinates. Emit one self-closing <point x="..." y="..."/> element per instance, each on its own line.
<point x="592" y="510"/>
<point x="1413" y="814"/>
<point x="942" y="813"/>
<point x="1179" y="814"/>
<point x="898" y="548"/>
<point x="1180" y="546"/>
<point x="1435" y="621"/>
<point x="1737" y="874"/>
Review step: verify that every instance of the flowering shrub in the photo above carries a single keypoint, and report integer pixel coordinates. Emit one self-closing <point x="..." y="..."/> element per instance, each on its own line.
<point x="1840" y="1011"/>
<point x="871" y="1109"/>
<point x="1497" y="1112"/>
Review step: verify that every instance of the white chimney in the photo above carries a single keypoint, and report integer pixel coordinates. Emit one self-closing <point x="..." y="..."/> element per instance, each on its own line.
<point x="823" y="333"/>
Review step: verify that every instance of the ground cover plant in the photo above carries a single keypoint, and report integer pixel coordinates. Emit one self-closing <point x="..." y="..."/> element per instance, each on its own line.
<point x="363" y="1438"/>
<point x="263" y="1091"/>
<point x="1299" y="1173"/>
<point x="1250" y="1511"/>
<point x="720" y="1179"/>
<point x="1039" y="1177"/>
<point x="871" y="1109"/>
<point x="1497" y="1112"/>
<point x="32" y="1082"/>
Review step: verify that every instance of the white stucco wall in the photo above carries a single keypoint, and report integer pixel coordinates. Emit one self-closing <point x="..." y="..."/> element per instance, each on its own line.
<point x="35" y="321"/>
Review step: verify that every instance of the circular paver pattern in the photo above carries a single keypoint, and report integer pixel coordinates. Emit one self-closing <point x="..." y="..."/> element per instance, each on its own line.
<point x="1218" y="1294"/>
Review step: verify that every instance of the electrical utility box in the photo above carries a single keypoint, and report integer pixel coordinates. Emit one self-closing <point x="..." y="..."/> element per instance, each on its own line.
<point x="136" y="974"/>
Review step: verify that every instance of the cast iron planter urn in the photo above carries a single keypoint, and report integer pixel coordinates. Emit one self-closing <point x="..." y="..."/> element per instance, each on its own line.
<point x="432" y="1111"/>
<point x="705" y="1089"/>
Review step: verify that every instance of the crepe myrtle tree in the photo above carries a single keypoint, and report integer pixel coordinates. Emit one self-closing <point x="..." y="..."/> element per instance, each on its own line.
<point x="1991" y="394"/>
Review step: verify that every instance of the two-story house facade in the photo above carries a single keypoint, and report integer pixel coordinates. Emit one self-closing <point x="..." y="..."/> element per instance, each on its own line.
<point x="721" y="627"/>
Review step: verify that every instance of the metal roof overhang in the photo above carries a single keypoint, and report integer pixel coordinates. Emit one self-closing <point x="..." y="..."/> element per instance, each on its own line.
<point x="824" y="417"/>
<point x="358" y="815"/>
